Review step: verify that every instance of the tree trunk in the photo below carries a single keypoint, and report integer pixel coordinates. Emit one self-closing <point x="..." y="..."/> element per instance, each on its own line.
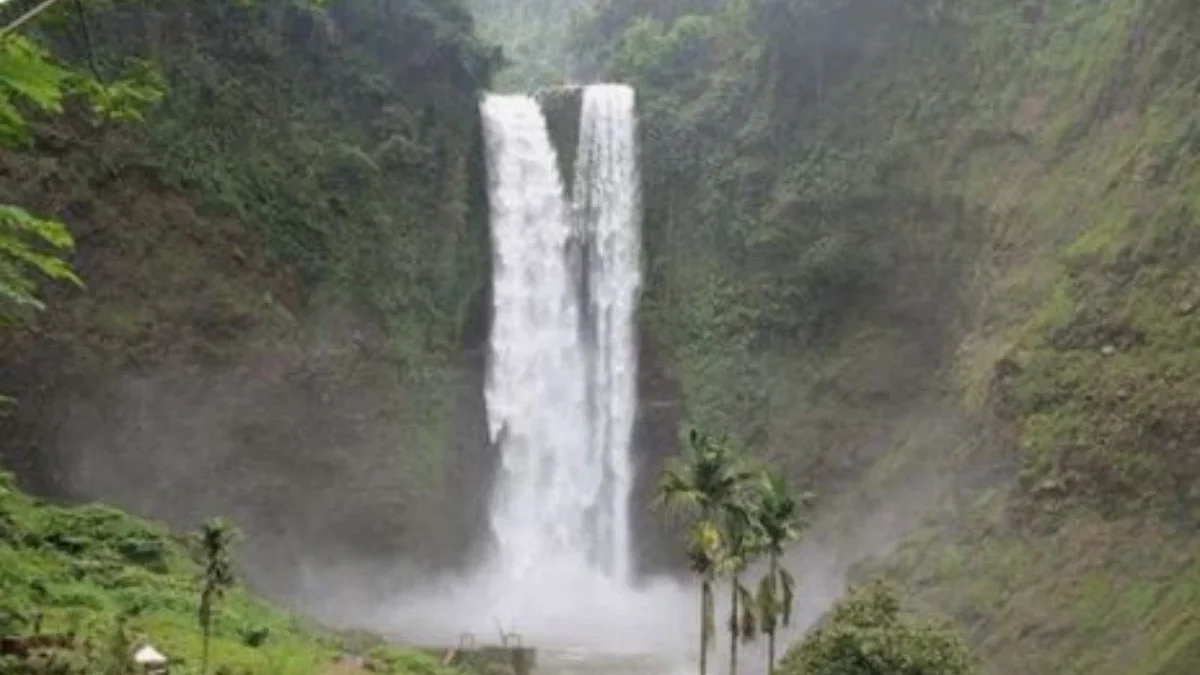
<point x="204" y="635"/>
<point x="705" y="590"/>
<point x="733" y="628"/>
<point x="774" y="618"/>
<point x="771" y="652"/>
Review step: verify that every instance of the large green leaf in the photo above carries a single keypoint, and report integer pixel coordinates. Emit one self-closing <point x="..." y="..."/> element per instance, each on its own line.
<point x="26" y="74"/>
<point x="30" y="245"/>
<point x="12" y="125"/>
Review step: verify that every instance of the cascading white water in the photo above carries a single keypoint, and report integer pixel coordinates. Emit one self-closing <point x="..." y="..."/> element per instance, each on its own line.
<point x="536" y="389"/>
<point x="561" y="395"/>
<point x="606" y="211"/>
<point x="561" y="387"/>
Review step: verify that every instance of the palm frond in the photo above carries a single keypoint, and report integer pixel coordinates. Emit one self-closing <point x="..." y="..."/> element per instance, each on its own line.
<point x="706" y="549"/>
<point x="676" y="493"/>
<point x="28" y="245"/>
<point x="782" y="516"/>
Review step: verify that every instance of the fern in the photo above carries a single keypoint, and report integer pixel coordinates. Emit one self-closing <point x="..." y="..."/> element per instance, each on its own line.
<point x="26" y="76"/>
<point x="28" y="245"/>
<point x="141" y="87"/>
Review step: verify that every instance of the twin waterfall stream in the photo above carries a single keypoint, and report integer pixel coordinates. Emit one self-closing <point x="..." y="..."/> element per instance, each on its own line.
<point x="562" y="386"/>
<point x="561" y="395"/>
<point x="561" y="389"/>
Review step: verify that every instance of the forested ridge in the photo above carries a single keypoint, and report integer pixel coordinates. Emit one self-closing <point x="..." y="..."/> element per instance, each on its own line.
<point x="932" y="258"/>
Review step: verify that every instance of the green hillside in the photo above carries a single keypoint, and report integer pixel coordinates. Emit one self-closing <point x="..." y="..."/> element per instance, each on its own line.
<point x="98" y="582"/>
<point x="939" y="256"/>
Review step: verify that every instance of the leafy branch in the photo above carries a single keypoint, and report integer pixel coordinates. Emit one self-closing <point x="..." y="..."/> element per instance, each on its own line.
<point x="30" y="244"/>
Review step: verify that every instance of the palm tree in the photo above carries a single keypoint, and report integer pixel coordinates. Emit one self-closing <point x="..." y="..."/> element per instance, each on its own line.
<point x="780" y="520"/>
<point x="215" y="539"/>
<point x="705" y="551"/>
<point x="744" y="542"/>
<point x="709" y="481"/>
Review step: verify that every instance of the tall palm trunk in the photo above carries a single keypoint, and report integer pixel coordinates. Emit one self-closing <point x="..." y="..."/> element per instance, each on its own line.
<point x="734" y="627"/>
<point x="204" y="643"/>
<point x="771" y="652"/>
<point x="705" y="622"/>
<point x="773" y="620"/>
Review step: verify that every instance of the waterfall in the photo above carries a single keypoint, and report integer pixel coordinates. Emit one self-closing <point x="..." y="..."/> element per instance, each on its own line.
<point x="561" y="393"/>
<point x="536" y="388"/>
<point x="561" y="387"/>
<point x="606" y="211"/>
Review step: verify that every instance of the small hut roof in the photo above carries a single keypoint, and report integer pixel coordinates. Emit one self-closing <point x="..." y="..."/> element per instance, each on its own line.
<point x="148" y="654"/>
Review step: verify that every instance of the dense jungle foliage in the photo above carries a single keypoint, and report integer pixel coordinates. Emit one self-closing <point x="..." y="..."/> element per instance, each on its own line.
<point x="934" y="256"/>
<point x="535" y="36"/>
<point x="290" y="246"/>
<point x="273" y="215"/>
<point x="345" y="137"/>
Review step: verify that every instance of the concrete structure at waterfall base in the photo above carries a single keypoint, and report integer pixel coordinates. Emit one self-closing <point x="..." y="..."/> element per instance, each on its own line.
<point x="508" y="658"/>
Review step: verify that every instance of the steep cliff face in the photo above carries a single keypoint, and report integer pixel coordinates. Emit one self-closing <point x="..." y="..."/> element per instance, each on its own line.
<point x="562" y="107"/>
<point x="934" y="256"/>
<point x="286" y="269"/>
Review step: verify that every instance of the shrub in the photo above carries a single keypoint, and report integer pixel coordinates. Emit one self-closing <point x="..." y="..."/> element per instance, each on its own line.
<point x="867" y="635"/>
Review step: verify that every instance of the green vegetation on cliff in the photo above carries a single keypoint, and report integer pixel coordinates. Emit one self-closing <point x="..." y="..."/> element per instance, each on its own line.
<point x="297" y="160"/>
<point x="345" y="137"/>
<point x="536" y="36"/>
<point x="32" y="246"/>
<point x="901" y="245"/>
<point x="285" y="268"/>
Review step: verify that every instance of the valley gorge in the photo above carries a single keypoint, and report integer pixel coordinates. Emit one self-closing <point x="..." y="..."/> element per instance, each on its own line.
<point x="934" y="261"/>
